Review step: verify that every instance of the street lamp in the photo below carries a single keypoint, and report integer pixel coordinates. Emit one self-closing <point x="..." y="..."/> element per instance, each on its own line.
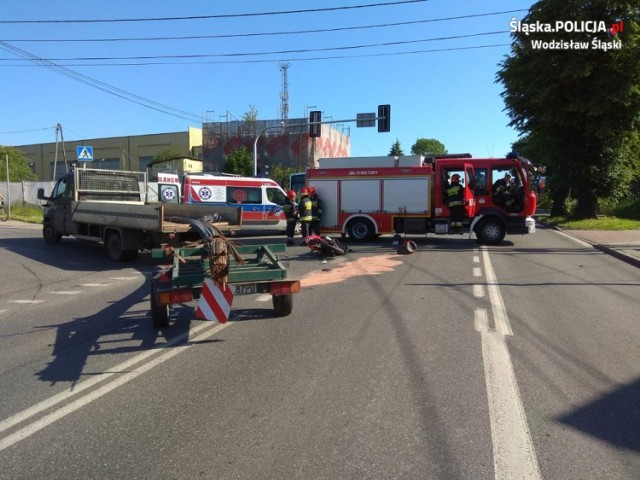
<point x="306" y="110"/>
<point x="255" y="145"/>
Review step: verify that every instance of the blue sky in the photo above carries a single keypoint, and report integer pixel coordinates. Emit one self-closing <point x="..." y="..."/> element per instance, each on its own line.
<point x="443" y="89"/>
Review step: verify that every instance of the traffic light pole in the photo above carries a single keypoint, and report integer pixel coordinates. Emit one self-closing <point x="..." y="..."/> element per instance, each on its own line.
<point x="255" y="145"/>
<point x="383" y="118"/>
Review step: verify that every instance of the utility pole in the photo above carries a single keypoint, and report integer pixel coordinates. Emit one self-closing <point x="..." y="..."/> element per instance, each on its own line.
<point x="64" y="153"/>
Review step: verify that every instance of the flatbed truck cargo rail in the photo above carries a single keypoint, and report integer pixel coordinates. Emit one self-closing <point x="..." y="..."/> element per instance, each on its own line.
<point x="111" y="207"/>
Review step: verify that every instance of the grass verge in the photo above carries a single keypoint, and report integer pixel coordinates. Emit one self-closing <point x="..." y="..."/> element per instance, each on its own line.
<point x="25" y="212"/>
<point x="602" y="223"/>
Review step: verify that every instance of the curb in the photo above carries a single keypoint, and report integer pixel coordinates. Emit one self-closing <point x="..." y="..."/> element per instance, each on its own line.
<point x="617" y="254"/>
<point x="628" y="259"/>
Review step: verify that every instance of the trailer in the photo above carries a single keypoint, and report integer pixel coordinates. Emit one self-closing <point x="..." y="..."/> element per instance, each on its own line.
<point x="256" y="270"/>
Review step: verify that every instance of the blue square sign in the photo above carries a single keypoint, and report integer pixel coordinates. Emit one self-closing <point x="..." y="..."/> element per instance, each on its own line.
<point x="84" y="153"/>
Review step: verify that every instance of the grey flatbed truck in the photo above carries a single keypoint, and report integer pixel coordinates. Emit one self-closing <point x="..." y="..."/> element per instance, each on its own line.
<point x="111" y="207"/>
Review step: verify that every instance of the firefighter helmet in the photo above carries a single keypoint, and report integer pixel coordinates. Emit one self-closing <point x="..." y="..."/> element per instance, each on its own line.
<point x="455" y="177"/>
<point x="304" y="191"/>
<point x="291" y="194"/>
<point x="312" y="190"/>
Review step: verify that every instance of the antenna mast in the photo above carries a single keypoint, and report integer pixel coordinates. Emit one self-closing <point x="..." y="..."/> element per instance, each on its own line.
<point x="284" y="94"/>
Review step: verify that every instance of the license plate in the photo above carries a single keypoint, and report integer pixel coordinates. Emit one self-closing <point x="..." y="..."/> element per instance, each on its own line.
<point x="245" y="289"/>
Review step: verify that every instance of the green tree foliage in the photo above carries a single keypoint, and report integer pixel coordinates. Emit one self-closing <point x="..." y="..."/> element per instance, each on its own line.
<point x="428" y="146"/>
<point x="582" y="104"/>
<point x="280" y="174"/>
<point x="19" y="169"/>
<point x="396" y="149"/>
<point x="250" y="120"/>
<point x="240" y="162"/>
<point x="166" y="156"/>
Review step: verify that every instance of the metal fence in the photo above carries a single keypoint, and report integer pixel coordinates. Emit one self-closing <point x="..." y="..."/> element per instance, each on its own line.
<point x="27" y="192"/>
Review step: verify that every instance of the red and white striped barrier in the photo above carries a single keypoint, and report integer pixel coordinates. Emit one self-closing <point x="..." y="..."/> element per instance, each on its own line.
<point x="215" y="302"/>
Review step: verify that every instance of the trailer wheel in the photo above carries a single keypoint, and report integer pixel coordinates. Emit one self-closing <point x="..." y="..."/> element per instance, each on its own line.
<point x="283" y="304"/>
<point x="114" y="247"/>
<point x="490" y="231"/>
<point x="159" y="313"/>
<point x="49" y="233"/>
<point x="361" y="229"/>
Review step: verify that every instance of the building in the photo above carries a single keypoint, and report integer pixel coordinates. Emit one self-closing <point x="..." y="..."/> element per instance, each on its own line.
<point x="288" y="145"/>
<point x="50" y="160"/>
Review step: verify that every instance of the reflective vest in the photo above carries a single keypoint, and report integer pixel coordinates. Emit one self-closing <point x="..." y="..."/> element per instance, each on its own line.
<point x="290" y="210"/>
<point x="305" y="209"/>
<point x="454" y="195"/>
<point x="316" y="208"/>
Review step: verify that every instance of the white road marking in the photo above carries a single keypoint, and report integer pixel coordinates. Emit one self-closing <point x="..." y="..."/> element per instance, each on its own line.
<point x="477" y="272"/>
<point x="481" y="320"/>
<point x="66" y="292"/>
<point x="577" y="240"/>
<point x="513" y="452"/>
<point x="137" y="277"/>
<point x="476" y="259"/>
<point x="503" y="326"/>
<point x="264" y="298"/>
<point x="514" y="456"/>
<point x="26" y="301"/>
<point x="94" y="284"/>
<point x="478" y="291"/>
<point x="95" y="394"/>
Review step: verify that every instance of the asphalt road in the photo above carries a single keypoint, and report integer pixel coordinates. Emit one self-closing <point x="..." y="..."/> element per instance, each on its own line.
<point x="455" y="362"/>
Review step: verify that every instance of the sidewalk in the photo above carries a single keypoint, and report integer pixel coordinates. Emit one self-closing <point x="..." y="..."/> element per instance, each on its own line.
<point x="622" y="244"/>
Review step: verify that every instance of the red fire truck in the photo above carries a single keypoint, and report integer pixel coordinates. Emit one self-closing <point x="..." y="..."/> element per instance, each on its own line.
<point x="407" y="196"/>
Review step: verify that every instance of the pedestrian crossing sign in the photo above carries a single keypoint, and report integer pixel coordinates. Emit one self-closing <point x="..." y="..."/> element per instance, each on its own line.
<point x="84" y="153"/>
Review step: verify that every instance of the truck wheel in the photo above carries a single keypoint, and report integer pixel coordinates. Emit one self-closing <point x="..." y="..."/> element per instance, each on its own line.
<point x="49" y="234"/>
<point x="114" y="247"/>
<point x="283" y="304"/>
<point x="159" y="313"/>
<point x="490" y="231"/>
<point x="361" y="229"/>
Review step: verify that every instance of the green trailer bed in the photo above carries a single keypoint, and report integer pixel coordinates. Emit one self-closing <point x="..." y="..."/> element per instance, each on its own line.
<point x="181" y="281"/>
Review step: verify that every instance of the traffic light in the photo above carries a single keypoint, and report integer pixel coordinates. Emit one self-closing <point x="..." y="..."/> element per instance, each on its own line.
<point x="384" y="118"/>
<point x="315" y="126"/>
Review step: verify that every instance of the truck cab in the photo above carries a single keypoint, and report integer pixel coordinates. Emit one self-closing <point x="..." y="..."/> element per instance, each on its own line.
<point x="504" y="200"/>
<point x="57" y="210"/>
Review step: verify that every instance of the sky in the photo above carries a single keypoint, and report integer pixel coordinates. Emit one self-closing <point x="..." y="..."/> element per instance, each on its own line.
<point x="105" y="69"/>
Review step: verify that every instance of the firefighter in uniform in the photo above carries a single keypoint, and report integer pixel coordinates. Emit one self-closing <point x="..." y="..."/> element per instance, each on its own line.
<point x="290" y="208"/>
<point x="502" y="195"/>
<point x="454" y="200"/>
<point x="306" y="215"/>
<point x="316" y="212"/>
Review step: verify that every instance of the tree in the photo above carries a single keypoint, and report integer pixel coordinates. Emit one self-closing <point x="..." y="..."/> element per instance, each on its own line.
<point x="240" y="162"/>
<point x="581" y="103"/>
<point x="280" y="174"/>
<point x="396" y="149"/>
<point x="19" y="168"/>
<point x="250" y="120"/>
<point x="428" y="146"/>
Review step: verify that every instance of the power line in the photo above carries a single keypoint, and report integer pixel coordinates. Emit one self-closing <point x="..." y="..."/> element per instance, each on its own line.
<point x="264" y="34"/>
<point x="297" y="59"/>
<point x="118" y="92"/>
<point x="208" y="17"/>
<point x="30" y="130"/>
<point x="282" y="52"/>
